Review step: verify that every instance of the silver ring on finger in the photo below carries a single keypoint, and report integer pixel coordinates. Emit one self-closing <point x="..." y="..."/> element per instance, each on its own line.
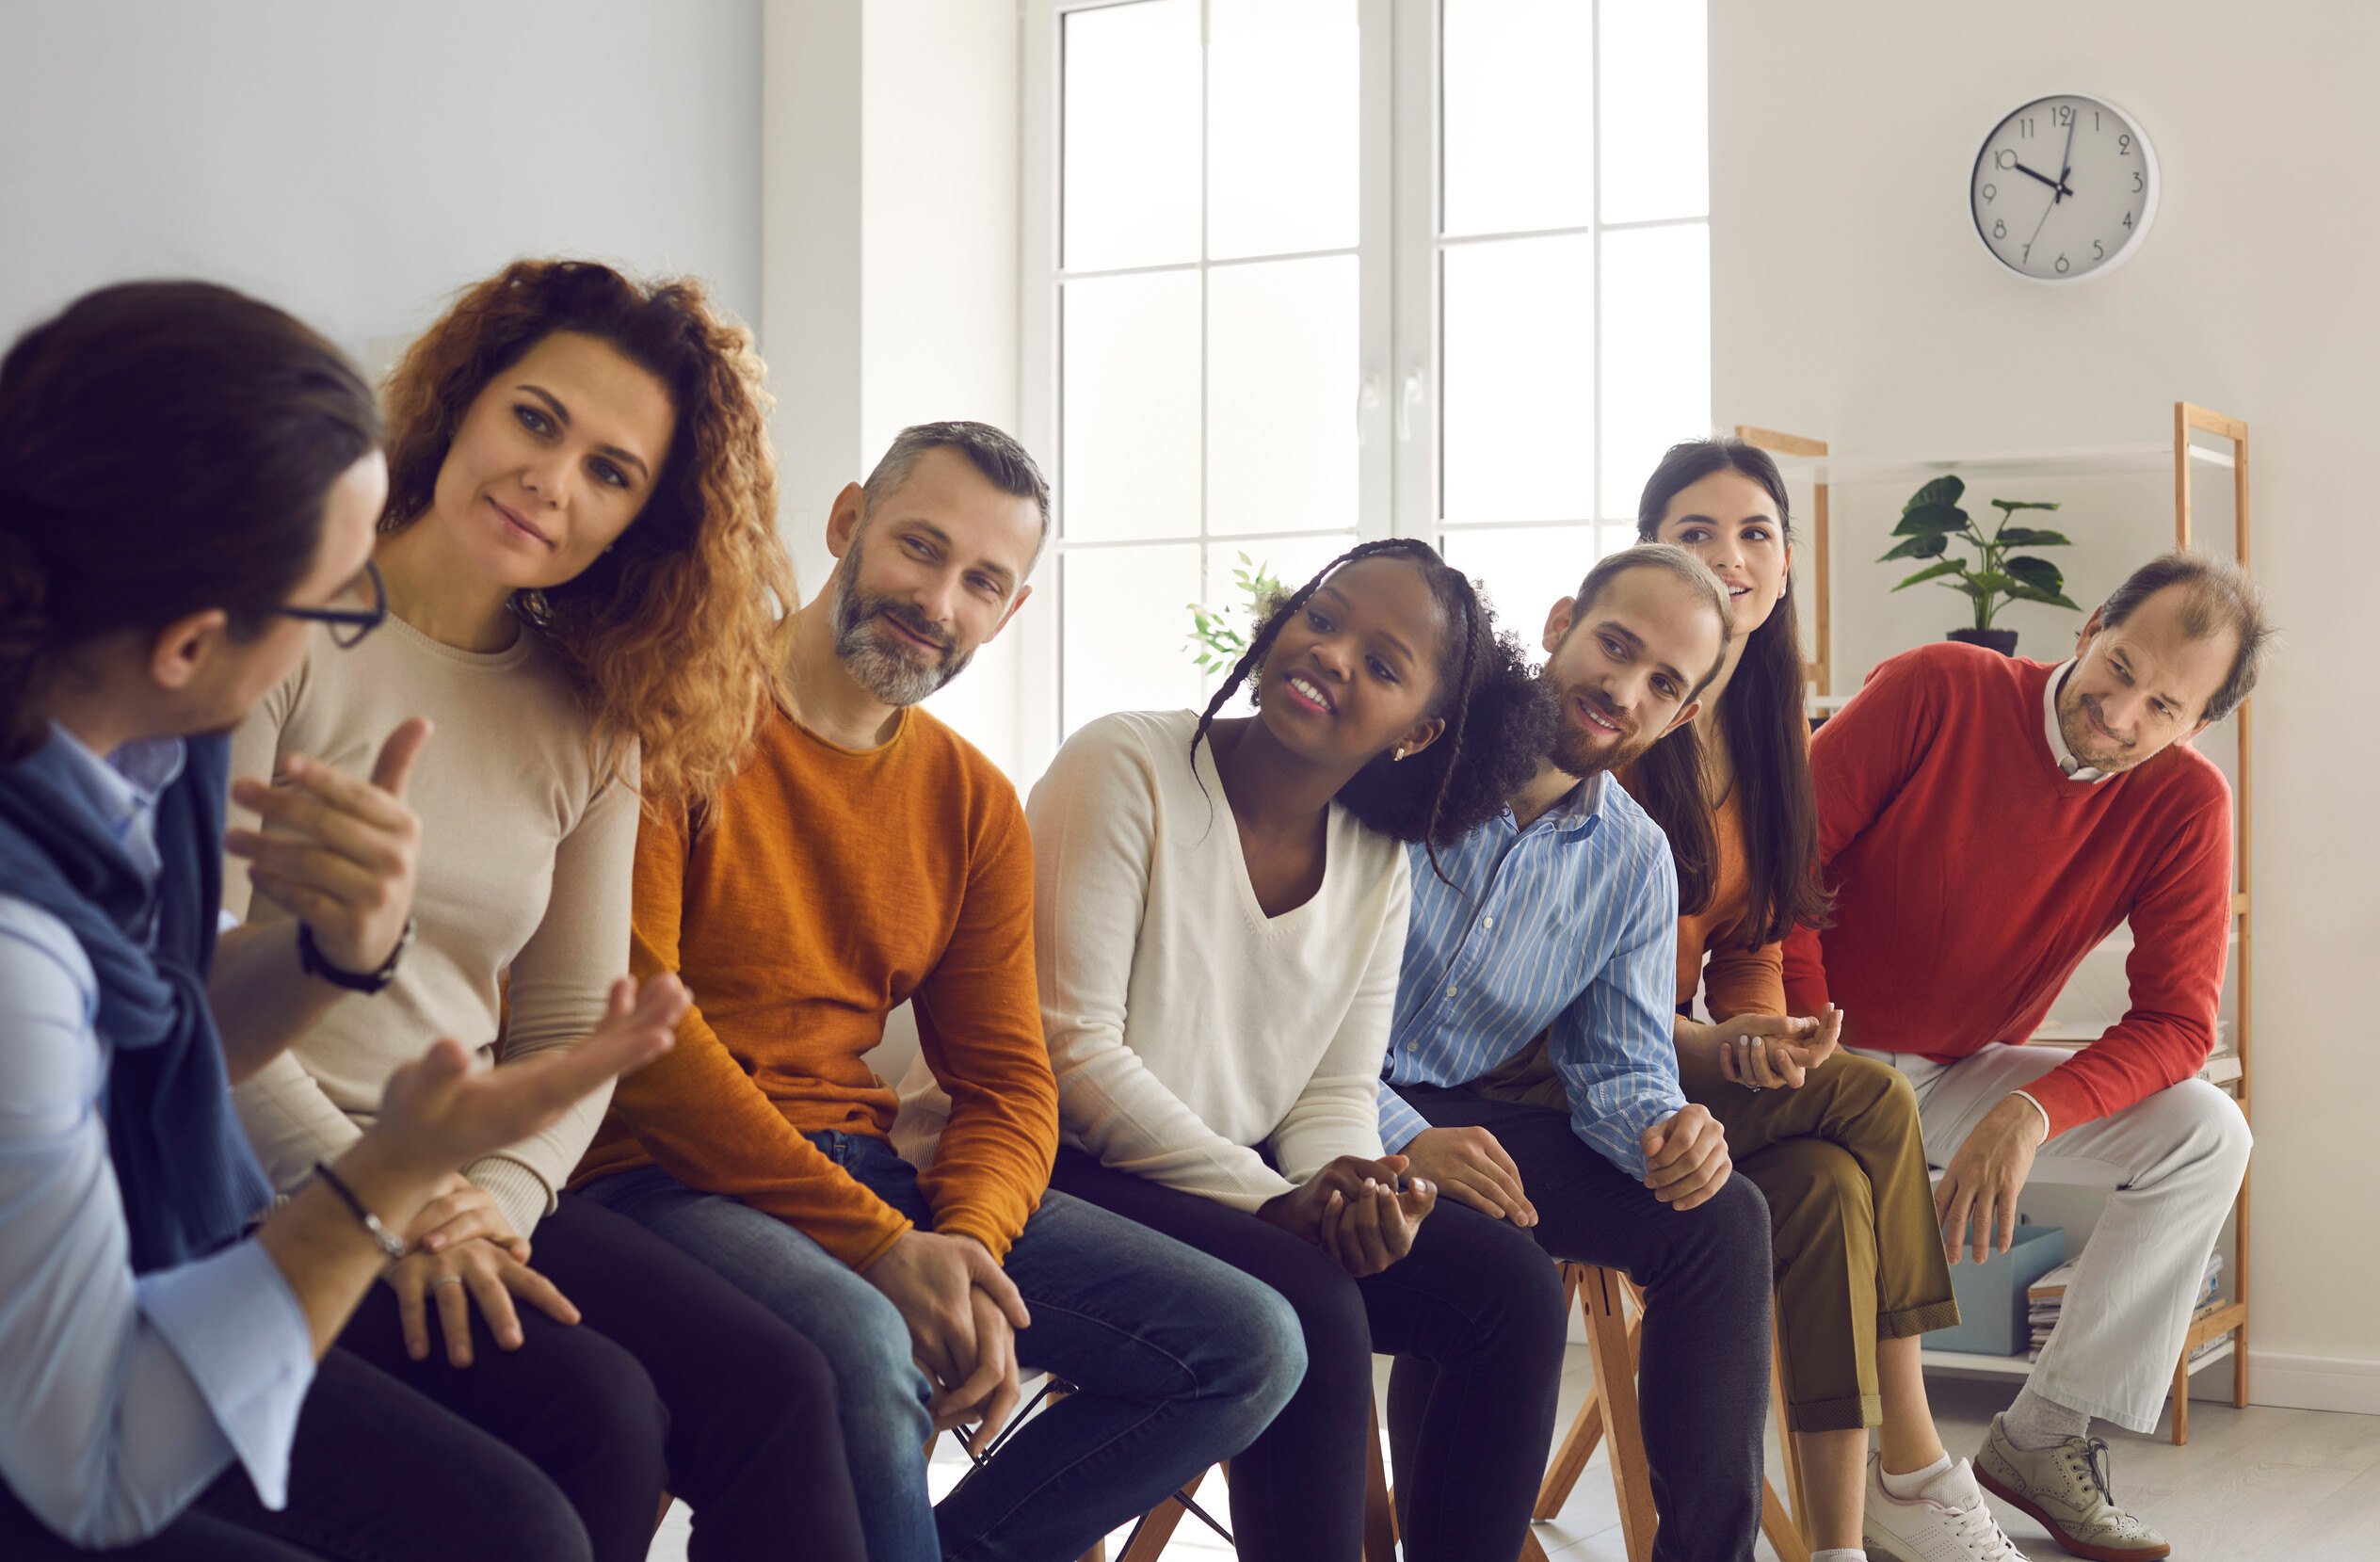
<point x="445" y="1279"/>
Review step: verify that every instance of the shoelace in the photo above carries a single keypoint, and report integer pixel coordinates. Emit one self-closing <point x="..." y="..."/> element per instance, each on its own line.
<point x="1976" y="1526"/>
<point x="2095" y="1464"/>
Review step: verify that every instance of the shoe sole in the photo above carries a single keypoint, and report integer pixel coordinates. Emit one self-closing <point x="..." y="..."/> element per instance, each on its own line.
<point x="2058" y="1533"/>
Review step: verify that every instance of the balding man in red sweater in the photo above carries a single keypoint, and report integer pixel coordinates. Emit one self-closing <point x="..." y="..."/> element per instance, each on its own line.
<point x="1986" y="822"/>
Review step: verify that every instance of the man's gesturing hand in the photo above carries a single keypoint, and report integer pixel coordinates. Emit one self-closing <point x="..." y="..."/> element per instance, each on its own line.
<point x="1469" y="1165"/>
<point x="335" y="852"/>
<point x="1686" y="1158"/>
<point x="932" y="1278"/>
<point x="1981" y="1185"/>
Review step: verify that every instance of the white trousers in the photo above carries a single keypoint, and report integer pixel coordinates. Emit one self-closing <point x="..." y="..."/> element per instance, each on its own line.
<point x="2173" y="1163"/>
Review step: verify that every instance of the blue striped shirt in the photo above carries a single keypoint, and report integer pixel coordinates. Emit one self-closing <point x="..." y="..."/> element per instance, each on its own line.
<point x="1572" y="924"/>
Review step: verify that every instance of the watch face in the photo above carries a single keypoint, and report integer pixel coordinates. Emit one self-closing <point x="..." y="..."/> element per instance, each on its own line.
<point x="2063" y="188"/>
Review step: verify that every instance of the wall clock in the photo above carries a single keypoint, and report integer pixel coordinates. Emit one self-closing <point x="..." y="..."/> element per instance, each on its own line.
<point x="2065" y="188"/>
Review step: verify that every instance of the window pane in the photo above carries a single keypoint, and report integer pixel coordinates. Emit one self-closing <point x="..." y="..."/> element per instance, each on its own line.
<point x="1281" y="372"/>
<point x="1653" y="82"/>
<point x="1130" y="420"/>
<point x="1291" y="560"/>
<point x="1127" y="631"/>
<point x="1519" y="402"/>
<point x="1131" y="135"/>
<point x="1656" y="352"/>
<point x="1520" y="137"/>
<point x="1524" y="570"/>
<point x="1282" y="130"/>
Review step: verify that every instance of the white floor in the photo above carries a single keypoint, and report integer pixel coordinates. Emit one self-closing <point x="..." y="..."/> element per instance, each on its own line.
<point x="2258" y="1485"/>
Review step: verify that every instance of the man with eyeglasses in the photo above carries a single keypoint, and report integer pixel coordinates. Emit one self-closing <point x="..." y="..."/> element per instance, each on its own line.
<point x="1986" y="822"/>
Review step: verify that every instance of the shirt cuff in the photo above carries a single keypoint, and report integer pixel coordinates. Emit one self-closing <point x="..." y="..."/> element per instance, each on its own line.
<point x="518" y="1192"/>
<point x="234" y="1325"/>
<point x="1400" y="1123"/>
<point x="2048" y="1128"/>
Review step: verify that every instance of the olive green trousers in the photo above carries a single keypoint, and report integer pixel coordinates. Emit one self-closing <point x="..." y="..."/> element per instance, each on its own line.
<point x="1858" y="1249"/>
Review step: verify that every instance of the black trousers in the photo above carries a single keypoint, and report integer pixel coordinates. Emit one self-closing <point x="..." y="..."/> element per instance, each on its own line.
<point x="673" y="1380"/>
<point x="1475" y="1301"/>
<point x="1703" y="1382"/>
<point x="376" y="1474"/>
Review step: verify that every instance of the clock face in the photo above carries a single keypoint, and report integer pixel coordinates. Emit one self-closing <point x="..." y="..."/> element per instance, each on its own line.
<point x="2063" y="188"/>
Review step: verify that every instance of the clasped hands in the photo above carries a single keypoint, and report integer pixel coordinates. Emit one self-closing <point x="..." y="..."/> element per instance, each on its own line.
<point x="1356" y="1211"/>
<point x="963" y="1312"/>
<point x="1775" y="1052"/>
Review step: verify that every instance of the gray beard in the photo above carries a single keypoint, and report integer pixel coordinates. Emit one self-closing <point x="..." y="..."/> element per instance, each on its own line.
<point x="895" y="675"/>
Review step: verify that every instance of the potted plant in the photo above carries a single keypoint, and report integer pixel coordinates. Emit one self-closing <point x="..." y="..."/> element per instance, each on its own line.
<point x="1220" y="635"/>
<point x="1932" y="521"/>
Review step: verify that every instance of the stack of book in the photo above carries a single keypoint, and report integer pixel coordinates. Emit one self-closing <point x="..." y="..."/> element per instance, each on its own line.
<point x="2046" y="1296"/>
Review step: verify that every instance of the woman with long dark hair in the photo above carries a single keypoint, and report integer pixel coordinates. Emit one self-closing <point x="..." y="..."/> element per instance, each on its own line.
<point x="188" y="480"/>
<point x="1220" y="907"/>
<point x="1832" y="1139"/>
<point x="582" y="578"/>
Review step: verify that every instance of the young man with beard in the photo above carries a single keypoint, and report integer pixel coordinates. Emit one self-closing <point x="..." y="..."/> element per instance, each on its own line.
<point x="869" y="857"/>
<point x="1563" y="916"/>
<point x="1986" y="822"/>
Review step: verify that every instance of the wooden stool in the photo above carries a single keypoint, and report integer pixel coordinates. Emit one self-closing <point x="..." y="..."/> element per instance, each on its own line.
<point x="1379" y="1517"/>
<point x="1613" y="1343"/>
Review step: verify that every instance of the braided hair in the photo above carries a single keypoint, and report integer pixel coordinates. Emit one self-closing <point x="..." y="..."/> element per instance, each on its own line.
<point x="1498" y="720"/>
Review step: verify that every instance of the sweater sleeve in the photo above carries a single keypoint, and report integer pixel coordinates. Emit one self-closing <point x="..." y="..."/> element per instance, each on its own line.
<point x="1094" y="821"/>
<point x="1858" y="762"/>
<point x="1337" y="1112"/>
<point x="1738" y="980"/>
<point x="702" y="1118"/>
<point x="557" y="991"/>
<point x="979" y="1030"/>
<point x="2181" y="931"/>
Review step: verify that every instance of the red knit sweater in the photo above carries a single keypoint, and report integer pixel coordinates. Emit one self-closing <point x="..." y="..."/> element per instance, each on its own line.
<point x="1973" y="877"/>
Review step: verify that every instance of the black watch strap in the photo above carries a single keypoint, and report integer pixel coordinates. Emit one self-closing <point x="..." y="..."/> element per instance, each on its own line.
<point x="310" y="957"/>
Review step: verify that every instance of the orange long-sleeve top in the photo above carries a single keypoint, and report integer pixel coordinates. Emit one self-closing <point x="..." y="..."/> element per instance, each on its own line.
<point x="1737" y="980"/>
<point x="824" y="888"/>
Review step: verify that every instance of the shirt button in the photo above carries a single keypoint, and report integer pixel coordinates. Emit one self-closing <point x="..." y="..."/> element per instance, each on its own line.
<point x="1452" y="990"/>
<point x="1487" y="922"/>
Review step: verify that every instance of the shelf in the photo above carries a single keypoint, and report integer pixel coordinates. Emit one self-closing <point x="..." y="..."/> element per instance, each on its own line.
<point x="1961" y="1363"/>
<point x="2078" y="460"/>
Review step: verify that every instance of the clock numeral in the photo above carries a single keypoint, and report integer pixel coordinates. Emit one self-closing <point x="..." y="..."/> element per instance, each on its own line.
<point x="2127" y="220"/>
<point x="2062" y="113"/>
<point x="2139" y="180"/>
<point x="1999" y="230"/>
<point x="2024" y="127"/>
<point x="2026" y="255"/>
<point x="2004" y="158"/>
<point x="2098" y="251"/>
<point x="2094" y="122"/>
<point x="2123" y="146"/>
<point x="2061" y="267"/>
<point x="1991" y="192"/>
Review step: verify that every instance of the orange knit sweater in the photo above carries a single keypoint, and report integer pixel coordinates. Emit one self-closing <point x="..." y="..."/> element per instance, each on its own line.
<point x="826" y="888"/>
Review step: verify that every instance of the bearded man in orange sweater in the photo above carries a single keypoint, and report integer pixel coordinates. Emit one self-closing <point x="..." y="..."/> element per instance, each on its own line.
<point x="1988" y="821"/>
<point x="869" y="857"/>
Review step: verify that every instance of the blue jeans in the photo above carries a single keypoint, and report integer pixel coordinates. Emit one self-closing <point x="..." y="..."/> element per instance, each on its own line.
<point x="1180" y="1359"/>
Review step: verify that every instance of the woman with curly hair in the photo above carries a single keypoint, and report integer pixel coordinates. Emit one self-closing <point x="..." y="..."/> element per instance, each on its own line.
<point x="582" y="577"/>
<point x="1220" y="911"/>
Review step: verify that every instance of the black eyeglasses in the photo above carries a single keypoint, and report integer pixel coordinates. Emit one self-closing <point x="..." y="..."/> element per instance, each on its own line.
<point x="347" y="626"/>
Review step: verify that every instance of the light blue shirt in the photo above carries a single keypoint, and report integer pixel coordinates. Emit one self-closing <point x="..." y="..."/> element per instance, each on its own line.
<point x="120" y="1398"/>
<point x="1570" y="923"/>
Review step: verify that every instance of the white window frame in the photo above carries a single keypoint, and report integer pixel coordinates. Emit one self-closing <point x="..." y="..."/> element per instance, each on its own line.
<point x="1396" y="395"/>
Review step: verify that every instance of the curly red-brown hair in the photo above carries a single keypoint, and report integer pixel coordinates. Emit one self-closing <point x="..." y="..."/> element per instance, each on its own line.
<point x="674" y="635"/>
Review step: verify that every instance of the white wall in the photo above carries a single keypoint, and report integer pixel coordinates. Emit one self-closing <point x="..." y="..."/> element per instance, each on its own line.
<point x="356" y="164"/>
<point x="1851" y="302"/>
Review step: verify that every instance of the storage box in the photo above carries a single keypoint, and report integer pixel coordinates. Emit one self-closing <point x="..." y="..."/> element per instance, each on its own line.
<point x="1991" y="1295"/>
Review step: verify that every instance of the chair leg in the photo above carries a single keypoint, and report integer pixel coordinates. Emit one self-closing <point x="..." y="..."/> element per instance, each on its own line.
<point x="1155" y="1531"/>
<point x="2181" y="1399"/>
<point x="1796" y="1485"/>
<point x="1609" y="1346"/>
<point x="1379" y="1502"/>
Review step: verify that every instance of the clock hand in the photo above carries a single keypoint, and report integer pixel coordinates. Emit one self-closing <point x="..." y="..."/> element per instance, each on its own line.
<point x="2065" y="159"/>
<point x="2043" y="223"/>
<point x="2057" y="183"/>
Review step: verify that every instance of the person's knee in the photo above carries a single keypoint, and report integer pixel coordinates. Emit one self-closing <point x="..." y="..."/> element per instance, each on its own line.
<point x="2218" y="1127"/>
<point x="529" y="1516"/>
<point x="1525" y="1288"/>
<point x="1267" y="1360"/>
<point x="780" y="1370"/>
<point x="1731" y="1231"/>
<point x="606" y="1418"/>
<point x="1813" y="1178"/>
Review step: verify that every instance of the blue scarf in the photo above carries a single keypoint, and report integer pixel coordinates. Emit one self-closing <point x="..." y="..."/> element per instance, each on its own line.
<point x="190" y="1181"/>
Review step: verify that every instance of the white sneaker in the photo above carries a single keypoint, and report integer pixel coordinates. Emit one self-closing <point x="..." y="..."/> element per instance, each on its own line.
<point x="1947" y="1521"/>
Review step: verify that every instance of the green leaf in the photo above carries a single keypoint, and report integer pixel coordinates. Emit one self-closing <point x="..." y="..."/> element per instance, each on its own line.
<point x="1930" y="518"/>
<point x="1942" y="490"/>
<point x="2054" y="599"/>
<point x="2039" y="573"/>
<point x="2028" y="537"/>
<point x="2008" y="505"/>
<point x="1928" y="546"/>
<point x="1992" y="582"/>
<point x="1947" y="567"/>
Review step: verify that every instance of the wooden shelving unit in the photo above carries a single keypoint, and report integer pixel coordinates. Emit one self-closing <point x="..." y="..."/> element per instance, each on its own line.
<point x="1812" y="461"/>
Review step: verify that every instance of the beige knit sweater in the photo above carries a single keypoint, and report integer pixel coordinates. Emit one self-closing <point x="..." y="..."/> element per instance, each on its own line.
<point x="524" y="874"/>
